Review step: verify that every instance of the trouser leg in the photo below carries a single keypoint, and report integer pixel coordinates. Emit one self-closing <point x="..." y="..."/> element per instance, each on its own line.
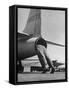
<point x="41" y="59"/>
<point x="41" y="56"/>
<point x="48" y="58"/>
<point x="49" y="61"/>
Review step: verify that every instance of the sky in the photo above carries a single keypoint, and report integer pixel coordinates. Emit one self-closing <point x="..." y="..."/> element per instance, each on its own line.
<point x="52" y="29"/>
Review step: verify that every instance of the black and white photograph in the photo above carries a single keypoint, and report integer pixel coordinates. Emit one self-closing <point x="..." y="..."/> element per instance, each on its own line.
<point x="41" y="44"/>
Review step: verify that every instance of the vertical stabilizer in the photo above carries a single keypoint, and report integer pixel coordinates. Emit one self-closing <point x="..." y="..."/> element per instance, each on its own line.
<point x="33" y="26"/>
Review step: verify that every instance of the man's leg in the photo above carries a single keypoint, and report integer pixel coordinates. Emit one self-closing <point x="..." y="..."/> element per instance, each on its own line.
<point x="49" y="60"/>
<point x="41" y="57"/>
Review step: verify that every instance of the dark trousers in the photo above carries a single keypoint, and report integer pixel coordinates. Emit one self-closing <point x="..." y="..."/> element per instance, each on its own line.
<point x="43" y="56"/>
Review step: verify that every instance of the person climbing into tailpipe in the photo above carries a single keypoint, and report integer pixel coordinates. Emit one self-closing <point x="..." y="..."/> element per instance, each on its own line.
<point x="41" y="50"/>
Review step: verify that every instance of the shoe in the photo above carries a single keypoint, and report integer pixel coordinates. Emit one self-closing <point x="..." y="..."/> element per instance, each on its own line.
<point x="52" y="70"/>
<point x="44" y="70"/>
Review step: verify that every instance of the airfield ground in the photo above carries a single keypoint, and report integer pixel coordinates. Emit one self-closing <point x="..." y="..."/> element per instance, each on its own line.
<point x="38" y="76"/>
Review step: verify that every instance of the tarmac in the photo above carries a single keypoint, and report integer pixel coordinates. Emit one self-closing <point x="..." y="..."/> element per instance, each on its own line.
<point x="38" y="76"/>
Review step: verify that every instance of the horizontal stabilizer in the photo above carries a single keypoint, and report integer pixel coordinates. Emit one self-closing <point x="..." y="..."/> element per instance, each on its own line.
<point x="49" y="42"/>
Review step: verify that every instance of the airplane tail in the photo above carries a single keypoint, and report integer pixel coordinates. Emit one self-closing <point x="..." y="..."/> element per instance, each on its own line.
<point x="33" y="26"/>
